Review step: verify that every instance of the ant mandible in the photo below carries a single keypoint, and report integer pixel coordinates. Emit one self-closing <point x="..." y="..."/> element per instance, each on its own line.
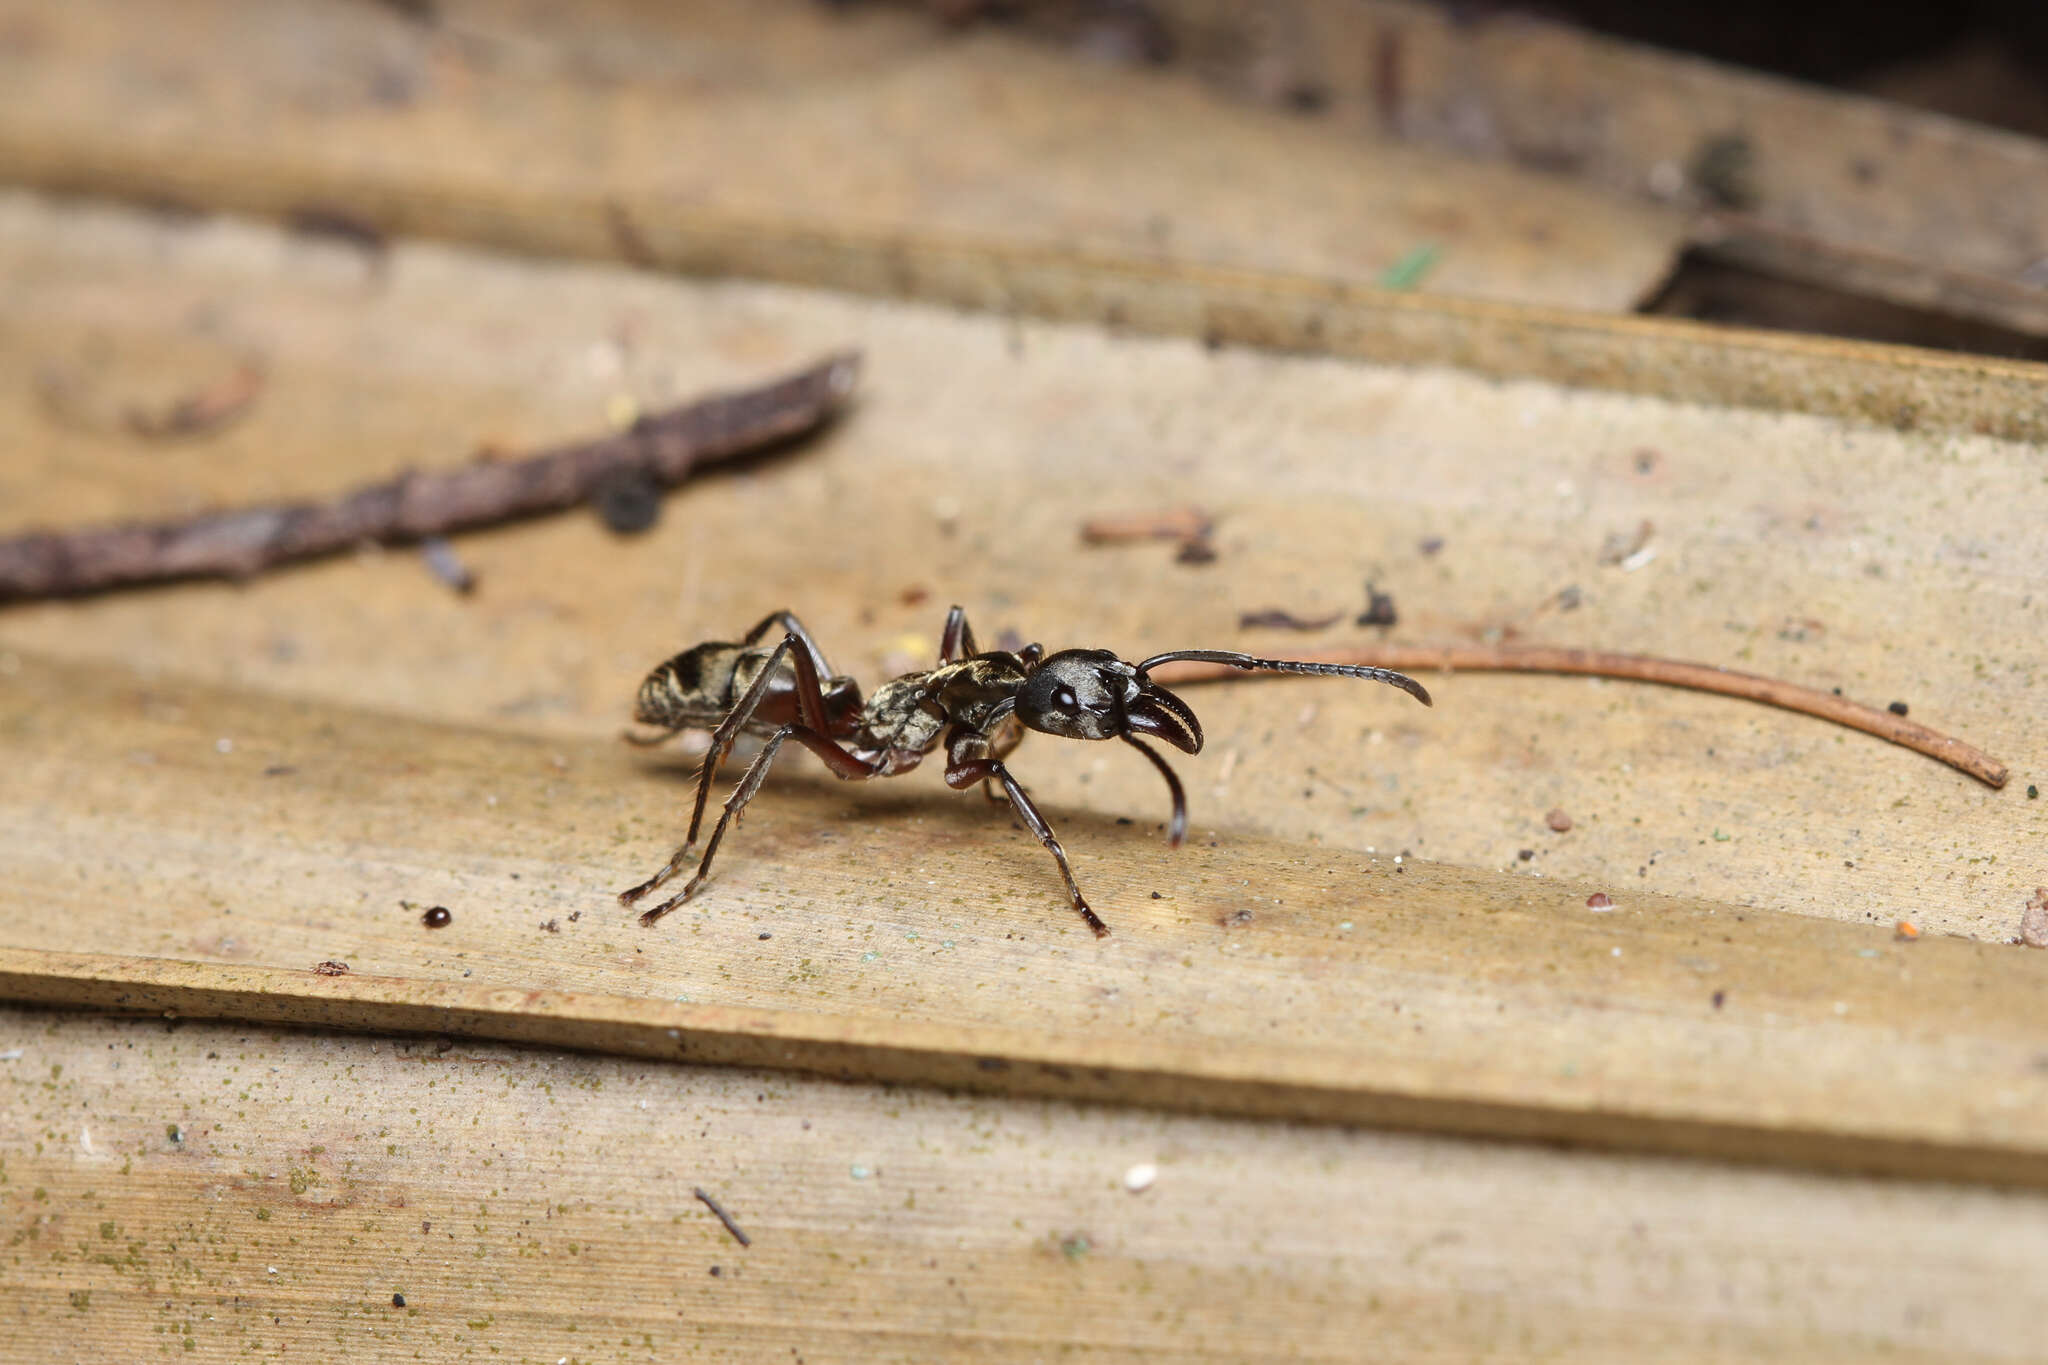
<point x="978" y="704"/>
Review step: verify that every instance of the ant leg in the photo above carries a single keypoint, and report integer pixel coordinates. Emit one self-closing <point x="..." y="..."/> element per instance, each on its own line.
<point x="842" y="763"/>
<point x="1177" y="828"/>
<point x="789" y="625"/>
<point x="810" y="705"/>
<point x="957" y="641"/>
<point x="721" y="743"/>
<point x="964" y="773"/>
<point x="1007" y="737"/>
<point x="648" y="742"/>
<point x="810" y="701"/>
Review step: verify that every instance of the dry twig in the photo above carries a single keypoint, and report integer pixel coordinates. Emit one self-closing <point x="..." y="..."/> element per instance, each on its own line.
<point x="723" y="1217"/>
<point x="669" y="446"/>
<point x="1643" y="668"/>
<point x="1175" y="523"/>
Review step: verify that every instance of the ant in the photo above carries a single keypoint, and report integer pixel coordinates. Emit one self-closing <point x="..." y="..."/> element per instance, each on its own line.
<point x="977" y="704"/>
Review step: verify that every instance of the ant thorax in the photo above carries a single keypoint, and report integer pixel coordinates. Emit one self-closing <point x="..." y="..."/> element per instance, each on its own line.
<point x="913" y="712"/>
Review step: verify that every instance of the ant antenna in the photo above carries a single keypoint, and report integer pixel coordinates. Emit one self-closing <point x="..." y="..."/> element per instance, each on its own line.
<point x="1251" y="665"/>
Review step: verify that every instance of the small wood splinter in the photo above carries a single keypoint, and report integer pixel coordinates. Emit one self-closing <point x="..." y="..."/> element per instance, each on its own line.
<point x="730" y="1226"/>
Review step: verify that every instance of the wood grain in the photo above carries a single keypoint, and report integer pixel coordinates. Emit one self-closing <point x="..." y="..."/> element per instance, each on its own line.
<point x="1265" y="977"/>
<point x="532" y="1205"/>
<point x="644" y="132"/>
<point x="1893" y="565"/>
<point x="1229" y="225"/>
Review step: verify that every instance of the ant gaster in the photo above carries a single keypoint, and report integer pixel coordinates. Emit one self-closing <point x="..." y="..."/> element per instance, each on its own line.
<point x="977" y="704"/>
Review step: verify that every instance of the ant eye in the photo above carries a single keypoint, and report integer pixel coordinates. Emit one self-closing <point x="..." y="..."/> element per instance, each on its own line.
<point x="1065" y="699"/>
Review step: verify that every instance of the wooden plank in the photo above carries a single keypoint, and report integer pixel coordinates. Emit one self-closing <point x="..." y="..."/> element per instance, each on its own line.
<point x="641" y="131"/>
<point x="535" y="1205"/>
<point x="1264" y="977"/>
<point x="1903" y="204"/>
<point x="603" y="180"/>
<point x="1894" y="565"/>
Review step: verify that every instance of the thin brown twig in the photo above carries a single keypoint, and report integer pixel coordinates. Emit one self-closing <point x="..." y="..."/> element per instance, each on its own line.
<point x="235" y="544"/>
<point x="1642" y="668"/>
<point x="1175" y="523"/>
<point x="723" y="1217"/>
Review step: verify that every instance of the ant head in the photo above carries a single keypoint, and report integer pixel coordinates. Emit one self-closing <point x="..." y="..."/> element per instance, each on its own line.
<point x="1092" y="694"/>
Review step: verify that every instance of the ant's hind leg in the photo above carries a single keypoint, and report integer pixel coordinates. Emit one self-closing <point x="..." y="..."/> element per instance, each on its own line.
<point x="741" y="794"/>
<point x="650" y="741"/>
<point x="841" y="762"/>
<point x="721" y="743"/>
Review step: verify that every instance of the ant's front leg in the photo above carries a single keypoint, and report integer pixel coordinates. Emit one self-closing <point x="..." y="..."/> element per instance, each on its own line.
<point x="963" y="771"/>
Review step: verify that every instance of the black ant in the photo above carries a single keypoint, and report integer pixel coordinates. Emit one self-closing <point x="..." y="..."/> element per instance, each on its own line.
<point x="978" y="704"/>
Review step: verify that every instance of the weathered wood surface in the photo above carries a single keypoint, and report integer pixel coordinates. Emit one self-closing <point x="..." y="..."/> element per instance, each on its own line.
<point x="1889" y="200"/>
<point x="739" y="134"/>
<point x="209" y="788"/>
<point x="1895" y="565"/>
<point x="1246" y="975"/>
<point x="533" y="1207"/>
<point x="724" y="140"/>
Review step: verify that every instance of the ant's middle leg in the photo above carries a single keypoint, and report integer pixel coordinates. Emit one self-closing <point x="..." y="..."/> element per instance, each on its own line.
<point x="957" y="640"/>
<point x="789" y="625"/>
<point x="841" y="762"/>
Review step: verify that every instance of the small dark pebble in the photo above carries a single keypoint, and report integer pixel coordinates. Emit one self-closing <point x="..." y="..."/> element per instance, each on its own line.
<point x="1306" y="97"/>
<point x="1720" y="999"/>
<point x="1430" y="545"/>
<point x="437" y="918"/>
<point x="1897" y="708"/>
<point x="1156" y="896"/>
<point x="717" y="1270"/>
<point x="1123" y="819"/>
<point x="1379" y="608"/>
<point x="279" y="770"/>
<point x="629" y="501"/>
<point x="2033" y="792"/>
<point x="1197" y="550"/>
<point x="552" y="926"/>
<point x="398" y="1300"/>
<point x="765" y="936"/>
<point x="1525" y="854"/>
